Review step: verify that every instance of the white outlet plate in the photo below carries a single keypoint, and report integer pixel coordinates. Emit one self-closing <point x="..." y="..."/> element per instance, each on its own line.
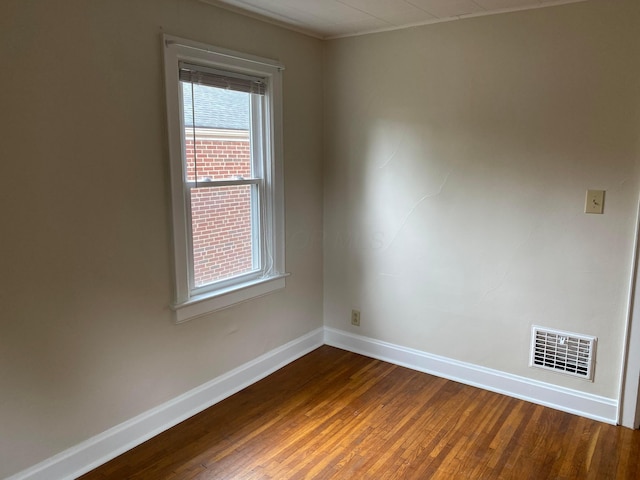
<point x="355" y="318"/>
<point x="594" y="202"/>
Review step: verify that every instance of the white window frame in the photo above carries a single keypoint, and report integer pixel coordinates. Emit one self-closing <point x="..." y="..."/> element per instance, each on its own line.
<point x="189" y="301"/>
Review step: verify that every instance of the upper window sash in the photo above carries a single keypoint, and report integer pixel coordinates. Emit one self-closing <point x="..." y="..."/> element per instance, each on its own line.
<point x="259" y="123"/>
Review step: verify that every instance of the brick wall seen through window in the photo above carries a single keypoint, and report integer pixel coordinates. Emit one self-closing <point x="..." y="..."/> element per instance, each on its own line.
<point x="221" y="216"/>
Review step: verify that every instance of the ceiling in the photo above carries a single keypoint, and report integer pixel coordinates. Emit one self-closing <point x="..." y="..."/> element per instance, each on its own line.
<point x="340" y="18"/>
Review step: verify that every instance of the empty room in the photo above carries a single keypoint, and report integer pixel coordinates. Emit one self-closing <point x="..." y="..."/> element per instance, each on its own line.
<point x="337" y="239"/>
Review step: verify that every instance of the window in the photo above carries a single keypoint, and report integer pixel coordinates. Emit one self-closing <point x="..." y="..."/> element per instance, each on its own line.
<point x="224" y="117"/>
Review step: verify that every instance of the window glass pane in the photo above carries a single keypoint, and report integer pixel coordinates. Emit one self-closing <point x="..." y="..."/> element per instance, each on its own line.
<point x="217" y="140"/>
<point x="222" y="232"/>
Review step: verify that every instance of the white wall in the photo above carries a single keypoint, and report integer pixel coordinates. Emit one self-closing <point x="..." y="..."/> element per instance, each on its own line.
<point x="456" y="163"/>
<point x="86" y="335"/>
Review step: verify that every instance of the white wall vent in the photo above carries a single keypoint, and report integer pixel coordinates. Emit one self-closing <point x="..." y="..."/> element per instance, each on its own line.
<point x="562" y="352"/>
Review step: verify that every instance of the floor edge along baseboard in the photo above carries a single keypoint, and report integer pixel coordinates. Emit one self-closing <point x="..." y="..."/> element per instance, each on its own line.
<point x="564" y="399"/>
<point x="105" y="446"/>
<point x="98" y="450"/>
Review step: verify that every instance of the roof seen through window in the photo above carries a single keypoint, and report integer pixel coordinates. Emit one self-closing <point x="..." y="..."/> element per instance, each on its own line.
<point x="216" y="107"/>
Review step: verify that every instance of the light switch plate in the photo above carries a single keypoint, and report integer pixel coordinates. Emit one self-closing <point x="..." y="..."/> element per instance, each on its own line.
<point x="594" y="203"/>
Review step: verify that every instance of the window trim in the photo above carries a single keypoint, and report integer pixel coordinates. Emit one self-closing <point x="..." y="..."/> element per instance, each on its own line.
<point x="188" y="303"/>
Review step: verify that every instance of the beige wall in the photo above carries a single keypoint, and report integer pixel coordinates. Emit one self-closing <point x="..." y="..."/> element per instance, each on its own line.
<point x="86" y="336"/>
<point x="457" y="158"/>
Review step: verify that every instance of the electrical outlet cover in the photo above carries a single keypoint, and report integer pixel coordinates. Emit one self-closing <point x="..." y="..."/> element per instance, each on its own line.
<point x="594" y="202"/>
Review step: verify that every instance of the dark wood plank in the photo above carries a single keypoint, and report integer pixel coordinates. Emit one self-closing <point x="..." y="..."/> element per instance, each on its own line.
<point x="338" y="415"/>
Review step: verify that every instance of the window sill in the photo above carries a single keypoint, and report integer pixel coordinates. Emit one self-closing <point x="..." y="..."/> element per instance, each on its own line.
<point x="212" y="301"/>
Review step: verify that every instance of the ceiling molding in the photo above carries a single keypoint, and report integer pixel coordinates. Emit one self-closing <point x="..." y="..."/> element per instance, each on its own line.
<point x="283" y="22"/>
<point x="552" y="3"/>
<point x="289" y="22"/>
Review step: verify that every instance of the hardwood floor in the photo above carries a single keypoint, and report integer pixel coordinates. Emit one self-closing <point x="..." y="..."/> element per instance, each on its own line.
<point x="337" y="415"/>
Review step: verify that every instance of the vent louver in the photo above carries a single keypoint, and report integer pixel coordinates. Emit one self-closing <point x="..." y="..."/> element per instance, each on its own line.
<point x="562" y="352"/>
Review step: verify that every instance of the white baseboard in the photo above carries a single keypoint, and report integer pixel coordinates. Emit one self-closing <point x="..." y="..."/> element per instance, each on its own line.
<point x="100" y="449"/>
<point x="567" y="400"/>
<point x="103" y="447"/>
